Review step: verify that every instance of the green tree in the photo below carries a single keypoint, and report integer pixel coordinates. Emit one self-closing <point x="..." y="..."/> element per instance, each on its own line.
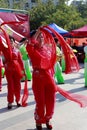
<point x="67" y="17"/>
<point x="3" y="4"/>
<point x="40" y="13"/>
<point x="82" y="8"/>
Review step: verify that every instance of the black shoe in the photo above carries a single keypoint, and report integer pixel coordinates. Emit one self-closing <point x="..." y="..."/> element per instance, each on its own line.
<point x="29" y="79"/>
<point x="60" y="83"/>
<point x="9" y="106"/>
<point x="18" y="105"/>
<point x="49" y="125"/>
<point x="38" y="126"/>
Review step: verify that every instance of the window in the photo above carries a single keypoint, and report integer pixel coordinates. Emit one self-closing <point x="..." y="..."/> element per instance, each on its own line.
<point x="33" y="1"/>
<point x="26" y="5"/>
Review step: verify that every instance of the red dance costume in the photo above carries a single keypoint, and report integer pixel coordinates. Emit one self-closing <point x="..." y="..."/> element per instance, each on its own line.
<point x="43" y="88"/>
<point x="13" y="70"/>
<point x="0" y="73"/>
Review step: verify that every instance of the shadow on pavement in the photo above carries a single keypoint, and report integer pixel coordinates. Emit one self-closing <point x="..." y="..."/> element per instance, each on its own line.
<point x="36" y="129"/>
<point x="3" y="94"/>
<point x="4" y="84"/>
<point x="4" y="110"/>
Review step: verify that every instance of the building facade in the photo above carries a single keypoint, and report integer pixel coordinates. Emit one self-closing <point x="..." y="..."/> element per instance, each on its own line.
<point x="28" y="3"/>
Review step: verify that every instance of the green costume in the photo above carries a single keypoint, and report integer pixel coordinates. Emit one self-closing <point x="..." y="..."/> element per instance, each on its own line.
<point x="85" y="66"/>
<point x="3" y="71"/>
<point x="26" y="62"/>
<point x="63" y="63"/>
<point x="58" y="70"/>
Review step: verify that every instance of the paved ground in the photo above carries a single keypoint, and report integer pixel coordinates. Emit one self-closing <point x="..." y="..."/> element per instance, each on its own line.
<point x="68" y="115"/>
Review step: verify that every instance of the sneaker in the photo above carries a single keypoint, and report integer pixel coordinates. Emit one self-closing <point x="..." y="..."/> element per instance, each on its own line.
<point x="9" y="105"/>
<point x="49" y="125"/>
<point x="38" y="126"/>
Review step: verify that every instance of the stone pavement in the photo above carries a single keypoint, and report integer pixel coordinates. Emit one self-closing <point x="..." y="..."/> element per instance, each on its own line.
<point x="67" y="116"/>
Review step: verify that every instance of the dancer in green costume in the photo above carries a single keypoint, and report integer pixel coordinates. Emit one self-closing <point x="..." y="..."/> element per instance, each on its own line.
<point x="85" y="66"/>
<point x="26" y="61"/>
<point x="58" y="70"/>
<point x="3" y="72"/>
<point x="63" y="63"/>
<point x="22" y="47"/>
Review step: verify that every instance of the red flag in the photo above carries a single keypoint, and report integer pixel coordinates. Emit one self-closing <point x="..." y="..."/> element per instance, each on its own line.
<point x="18" y="31"/>
<point x="7" y="41"/>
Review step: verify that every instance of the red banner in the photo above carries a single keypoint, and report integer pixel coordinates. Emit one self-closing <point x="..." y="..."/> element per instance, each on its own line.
<point x="17" y="30"/>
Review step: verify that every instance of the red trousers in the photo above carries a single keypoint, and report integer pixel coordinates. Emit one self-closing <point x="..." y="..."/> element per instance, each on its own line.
<point x="44" y="96"/>
<point x="14" y="86"/>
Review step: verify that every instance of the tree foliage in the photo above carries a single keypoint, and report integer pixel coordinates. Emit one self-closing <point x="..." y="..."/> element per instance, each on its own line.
<point x="66" y="16"/>
<point x="3" y="4"/>
<point x="40" y="13"/>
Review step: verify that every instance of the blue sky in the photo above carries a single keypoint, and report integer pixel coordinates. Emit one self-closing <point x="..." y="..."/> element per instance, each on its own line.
<point x="70" y="1"/>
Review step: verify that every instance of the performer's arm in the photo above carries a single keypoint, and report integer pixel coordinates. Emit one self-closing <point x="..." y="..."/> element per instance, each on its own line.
<point x="36" y="34"/>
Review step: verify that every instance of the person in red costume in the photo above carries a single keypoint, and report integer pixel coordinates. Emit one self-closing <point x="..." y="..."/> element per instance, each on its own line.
<point x="13" y="70"/>
<point x="0" y="72"/>
<point x="43" y="70"/>
<point x="42" y="52"/>
<point x="1" y="67"/>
